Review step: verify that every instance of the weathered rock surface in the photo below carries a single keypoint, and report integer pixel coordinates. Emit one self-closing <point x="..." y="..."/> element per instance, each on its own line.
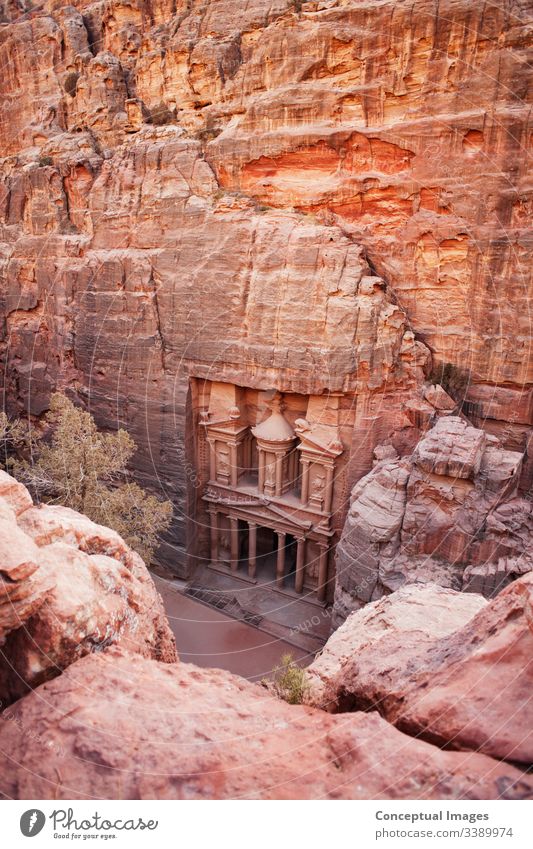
<point x="470" y="689"/>
<point x="68" y="587"/>
<point x="211" y="735"/>
<point x="186" y="188"/>
<point x="48" y="524"/>
<point x="450" y="514"/>
<point x="23" y="586"/>
<point x="83" y="660"/>
<point x="384" y="639"/>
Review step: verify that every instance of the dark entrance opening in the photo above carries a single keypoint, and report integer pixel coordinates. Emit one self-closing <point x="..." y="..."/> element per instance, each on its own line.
<point x="290" y="562"/>
<point x="267" y="552"/>
<point x="267" y="558"/>
<point x="243" y="545"/>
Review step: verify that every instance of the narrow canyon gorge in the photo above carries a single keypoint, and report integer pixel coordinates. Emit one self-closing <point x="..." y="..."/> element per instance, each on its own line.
<point x="287" y="246"/>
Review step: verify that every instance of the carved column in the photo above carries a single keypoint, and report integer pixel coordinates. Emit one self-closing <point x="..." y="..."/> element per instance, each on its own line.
<point x="322" y="571"/>
<point x="300" y="565"/>
<point x="214" y="535"/>
<point x="212" y="461"/>
<point x="261" y="471"/>
<point x="305" y="481"/>
<point x="279" y="473"/>
<point x="329" y="489"/>
<point x="248" y="453"/>
<point x="234" y="523"/>
<point x="252" y="549"/>
<point x="233" y="463"/>
<point x="280" y="565"/>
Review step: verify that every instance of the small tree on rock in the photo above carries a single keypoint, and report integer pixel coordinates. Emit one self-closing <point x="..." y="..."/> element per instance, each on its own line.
<point x="13" y="434"/>
<point x="74" y="464"/>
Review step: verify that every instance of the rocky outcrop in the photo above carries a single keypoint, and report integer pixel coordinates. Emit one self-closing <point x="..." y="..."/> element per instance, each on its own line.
<point x="205" y="736"/>
<point x="83" y="661"/>
<point x="195" y="190"/>
<point x="68" y="587"/>
<point x="450" y="513"/>
<point x="23" y="586"/>
<point x="384" y="639"/>
<point x="463" y="687"/>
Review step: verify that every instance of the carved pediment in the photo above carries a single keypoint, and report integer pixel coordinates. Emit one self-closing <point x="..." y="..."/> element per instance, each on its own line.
<point x="316" y="438"/>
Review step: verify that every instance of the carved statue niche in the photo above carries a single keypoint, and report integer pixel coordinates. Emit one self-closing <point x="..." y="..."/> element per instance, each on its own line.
<point x="270" y="471"/>
<point x="317" y="486"/>
<point x="223" y="466"/>
<point x="228" y="439"/>
<point x="319" y="448"/>
<point x="275" y="442"/>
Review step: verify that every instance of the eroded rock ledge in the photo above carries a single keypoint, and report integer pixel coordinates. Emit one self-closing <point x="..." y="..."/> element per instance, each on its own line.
<point x="117" y="722"/>
<point x="68" y="587"/>
<point x="210" y="735"/>
<point x="427" y="661"/>
<point x="450" y="513"/>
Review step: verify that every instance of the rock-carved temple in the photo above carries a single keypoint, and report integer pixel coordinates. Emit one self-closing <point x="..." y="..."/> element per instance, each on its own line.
<point x="272" y="466"/>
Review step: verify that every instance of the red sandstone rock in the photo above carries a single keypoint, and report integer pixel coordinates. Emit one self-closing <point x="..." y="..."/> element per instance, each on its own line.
<point x="14" y="493"/>
<point x="47" y="524"/>
<point x="23" y="586"/>
<point x="474" y="689"/>
<point x="135" y="255"/>
<point x="69" y="587"/>
<point x="463" y="686"/>
<point x="211" y="735"/>
<point x="365" y="658"/>
<point x="448" y="514"/>
<point x="452" y="449"/>
<point x="95" y="602"/>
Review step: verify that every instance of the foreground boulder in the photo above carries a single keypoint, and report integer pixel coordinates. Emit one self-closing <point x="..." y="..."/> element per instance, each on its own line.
<point x="470" y="689"/>
<point x="449" y="513"/>
<point x="127" y="727"/>
<point x="68" y="587"/>
<point x="48" y="524"/>
<point x="382" y="641"/>
<point x="23" y="586"/>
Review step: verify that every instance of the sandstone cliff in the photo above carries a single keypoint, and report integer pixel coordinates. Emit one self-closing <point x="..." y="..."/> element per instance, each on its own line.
<point x="211" y="735"/>
<point x="449" y="513"/>
<point x="187" y="189"/>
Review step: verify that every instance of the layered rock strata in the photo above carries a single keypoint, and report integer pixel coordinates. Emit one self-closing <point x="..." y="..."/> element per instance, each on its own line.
<point x="186" y="189"/>
<point x="450" y="513"/>
<point x="96" y="636"/>
<point x="23" y="587"/>
<point x="211" y="735"/>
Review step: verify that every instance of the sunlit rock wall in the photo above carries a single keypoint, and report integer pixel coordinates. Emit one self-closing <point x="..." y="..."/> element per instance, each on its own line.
<point x="198" y="189"/>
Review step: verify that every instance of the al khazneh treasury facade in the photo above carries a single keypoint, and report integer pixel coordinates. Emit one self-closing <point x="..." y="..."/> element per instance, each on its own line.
<point x="272" y="471"/>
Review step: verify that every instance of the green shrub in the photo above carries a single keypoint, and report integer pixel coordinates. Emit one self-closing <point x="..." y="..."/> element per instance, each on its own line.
<point x="45" y="160"/>
<point x="290" y="681"/>
<point x="74" y="464"/>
